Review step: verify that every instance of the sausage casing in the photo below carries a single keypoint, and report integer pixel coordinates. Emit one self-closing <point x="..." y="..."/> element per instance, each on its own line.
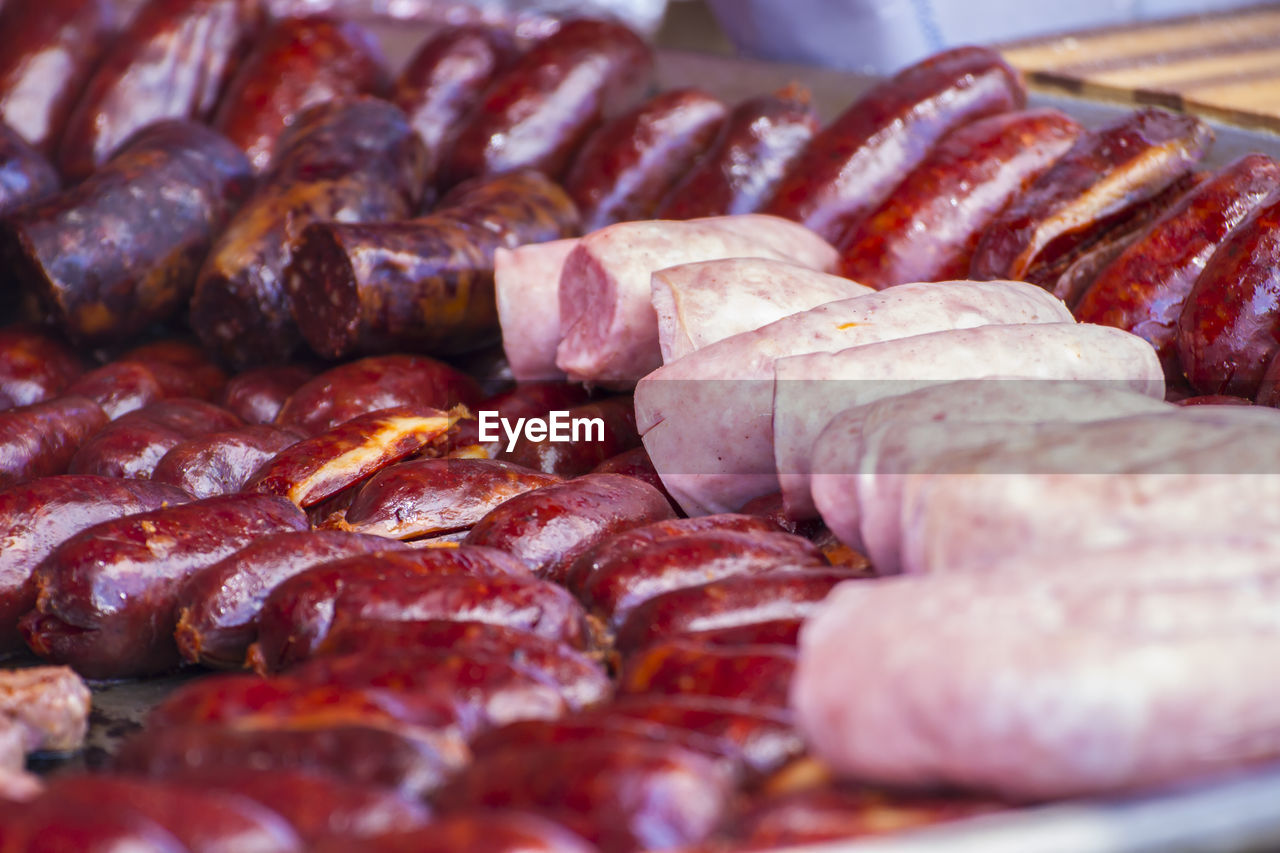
<point x="34" y="367"/>
<point x="608" y="428"/>
<point x="255" y="396"/>
<point x="42" y="439"/>
<point x="25" y="176"/>
<point x="757" y="675"/>
<point x="132" y="445"/>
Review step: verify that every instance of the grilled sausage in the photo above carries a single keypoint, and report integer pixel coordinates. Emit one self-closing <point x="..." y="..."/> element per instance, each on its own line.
<point x="757" y="675"/>
<point x="34" y="366"/>
<point x="608" y="428"/>
<point x="134" y="444"/>
<point x="42" y="439"/>
<point x="221" y="463"/>
<point x="256" y="396"/>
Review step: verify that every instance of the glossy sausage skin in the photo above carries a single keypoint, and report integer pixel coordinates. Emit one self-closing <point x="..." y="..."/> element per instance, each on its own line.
<point x="622" y="794"/>
<point x="119" y="387"/>
<point x="737" y="603"/>
<point x="422" y="285"/>
<point x="149" y="373"/>
<point x="427" y="497"/>
<point x="222" y="462"/>
<point x="526" y="400"/>
<point x="42" y="439"/>
<point x="25" y="175"/>
<point x="34" y="367"/>
<point x="853" y="164"/>
<point x="757" y="675"/>
<point x="485" y="831"/>
<point x="353" y="160"/>
<point x="1143" y="291"/>
<point x="170" y="62"/>
<point x="759" y="141"/>
<point x="370" y="384"/>
<point x="603" y="428"/>
<point x="1107" y="173"/>
<point x="47" y="52"/>
<point x="295" y="64"/>
<point x="1229" y="328"/>
<point x="634" y="463"/>
<point x="120" y="251"/>
<point x="134" y="444"/>
<point x="106" y="597"/>
<point x="541" y="108"/>
<point x="628" y="165"/>
<point x="445" y="78"/>
<point x="38" y="516"/>
<point x="927" y="229"/>
<point x="190" y="373"/>
<point x="51" y="827"/>
<point x="374" y="757"/>
<point x="447" y="584"/>
<point x="617" y="586"/>
<point x="255" y="396"/>
<point x="527" y="526"/>
<point x="218" y="614"/>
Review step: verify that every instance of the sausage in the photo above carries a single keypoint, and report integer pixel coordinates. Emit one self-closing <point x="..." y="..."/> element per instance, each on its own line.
<point x="201" y="820"/>
<point x="599" y="504"/>
<point x="297" y="63"/>
<point x="598" y="725"/>
<point x="634" y="463"/>
<point x="170" y="62"/>
<point x="372" y="757"/>
<point x="256" y="395"/>
<point x="608" y="427"/>
<point x="681" y="413"/>
<point x="450" y="584"/>
<point x="1229" y="328"/>
<point x="37" y="516"/>
<point x="42" y="439"/>
<point x="424" y="285"/>
<point x="630" y="543"/>
<point x="538" y="111"/>
<point x="629" y="163"/>
<point x="852" y="165"/>
<point x="119" y="387"/>
<point x="106" y="598"/>
<point x="700" y="303"/>
<point x="1103" y="176"/>
<point x="752" y="605"/>
<point x="191" y="373"/>
<point x="118" y="252"/>
<point x="757" y="675"/>
<point x="221" y="463"/>
<point x="526" y="284"/>
<point x="1143" y="291"/>
<point x="526" y="400"/>
<point x="25" y="175"/>
<point x="581" y="681"/>
<point x="369" y="384"/>
<point x="218" y="615"/>
<point x="757" y="144"/>
<point x="147" y="374"/>
<point x="928" y="228"/>
<point x="317" y="805"/>
<point x="616" y="586"/>
<point x="53" y="828"/>
<point x="134" y="444"/>
<point x="34" y="366"/>
<point x="623" y="794"/>
<point x="487" y="831"/>
<point x="353" y="160"/>
<point x="427" y="497"/>
<point x="444" y="79"/>
<point x="608" y="324"/>
<point x="47" y="52"/>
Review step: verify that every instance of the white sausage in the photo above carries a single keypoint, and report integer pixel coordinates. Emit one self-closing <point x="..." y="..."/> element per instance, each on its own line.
<point x="526" y="283"/>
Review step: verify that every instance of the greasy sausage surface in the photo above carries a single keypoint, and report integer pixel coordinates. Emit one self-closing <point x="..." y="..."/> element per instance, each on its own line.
<point x="42" y="439"/>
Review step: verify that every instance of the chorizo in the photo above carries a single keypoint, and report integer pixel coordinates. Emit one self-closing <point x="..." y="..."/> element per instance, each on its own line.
<point x="526" y="400"/>
<point x="608" y="428"/>
<point x="256" y="396"/>
<point x="757" y="675"/>
<point x="106" y="598"/>
<point x="25" y="176"/>
<point x="538" y="111"/>
<point x="119" y="251"/>
<point x="134" y="444"/>
<point x="220" y="463"/>
<point x="634" y="463"/>
<point x="43" y="439"/>
<point x="34" y="366"/>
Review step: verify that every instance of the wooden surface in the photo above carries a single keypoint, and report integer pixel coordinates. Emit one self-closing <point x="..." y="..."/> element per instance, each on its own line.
<point x="1225" y="66"/>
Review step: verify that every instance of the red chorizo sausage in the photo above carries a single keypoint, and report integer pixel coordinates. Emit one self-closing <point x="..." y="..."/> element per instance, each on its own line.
<point x="25" y="176"/>
<point x="34" y="367"/>
<point x="221" y="463"/>
<point x="526" y="400"/>
<point x="758" y="675"/>
<point x="608" y="427"/>
<point x="43" y="439"/>
<point x="255" y="396"/>
<point x="134" y="444"/>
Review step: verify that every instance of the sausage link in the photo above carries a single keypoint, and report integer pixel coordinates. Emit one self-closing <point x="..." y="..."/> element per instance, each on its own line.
<point x="47" y="52"/>
<point x="257" y="395"/>
<point x="118" y="252"/>
<point x="568" y="732"/>
<point x="134" y="444"/>
<point x="608" y="427"/>
<point x="369" y="384"/>
<point x="38" y="516"/>
<point x="353" y="160"/>
<point x="529" y="526"/>
<point x="106" y="598"/>
<point x="928" y="228"/>
<point x="853" y="164"/>
<point x="150" y="373"/>
<point x="486" y="831"/>
<point x="757" y="675"/>
<point x="34" y="367"/>
<point x="25" y="175"/>
<point x="427" y="497"/>
<point x="1104" y="176"/>
<point x="119" y="387"/>
<point x="634" y="463"/>
<point x="222" y="462"/>
<point x="297" y="63"/>
<point x="42" y="439"/>
<point x="170" y="62"/>
<point x="190" y="373"/>
<point x="218" y="617"/>
<point x="426" y="284"/>
<point x="526" y="400"/>
<point x="540" y="109"/>
<point x="757" y="144"/>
